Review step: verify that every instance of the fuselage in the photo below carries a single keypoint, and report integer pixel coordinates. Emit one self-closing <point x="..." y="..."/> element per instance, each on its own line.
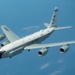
<point x="18" y="46"/>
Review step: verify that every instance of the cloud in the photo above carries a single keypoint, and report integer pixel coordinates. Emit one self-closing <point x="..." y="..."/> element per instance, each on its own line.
<point x="45" y="66"/>
<point x="30" y="28"/>
<point x="41" y="68"/>
<point x="58" y="71"/>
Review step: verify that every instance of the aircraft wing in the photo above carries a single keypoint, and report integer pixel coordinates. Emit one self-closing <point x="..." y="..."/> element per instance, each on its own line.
<point x="33" y="46"/>
<point x="9" y="34"/>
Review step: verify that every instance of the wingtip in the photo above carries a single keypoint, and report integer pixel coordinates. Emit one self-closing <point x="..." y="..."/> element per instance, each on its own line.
<point x="69" y="26"/>
<point x="3" y="26"/>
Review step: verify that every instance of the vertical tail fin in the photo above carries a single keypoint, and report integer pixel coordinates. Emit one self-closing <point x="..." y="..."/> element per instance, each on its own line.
<point x="53" y="19"/>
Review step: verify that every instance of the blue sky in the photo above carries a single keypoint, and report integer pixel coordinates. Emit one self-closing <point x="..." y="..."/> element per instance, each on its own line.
<point x="27" y="16"/>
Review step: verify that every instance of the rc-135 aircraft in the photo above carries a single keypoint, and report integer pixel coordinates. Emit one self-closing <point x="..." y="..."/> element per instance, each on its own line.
<point x="15" y="45"/>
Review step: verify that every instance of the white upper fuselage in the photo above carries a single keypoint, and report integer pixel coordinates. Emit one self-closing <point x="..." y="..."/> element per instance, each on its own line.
<point x="25" y="41"/>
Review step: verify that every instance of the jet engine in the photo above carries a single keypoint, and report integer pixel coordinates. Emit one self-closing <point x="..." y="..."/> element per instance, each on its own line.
<point x="5" y="43"/>
<point x="2" y="36"/>
<point x="43" y="52"/>
<point x="64" y="48"/>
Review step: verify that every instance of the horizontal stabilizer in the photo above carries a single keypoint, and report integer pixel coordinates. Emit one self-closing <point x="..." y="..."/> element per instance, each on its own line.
<point x="47" y="24"/>
<point x="59" y="28"/>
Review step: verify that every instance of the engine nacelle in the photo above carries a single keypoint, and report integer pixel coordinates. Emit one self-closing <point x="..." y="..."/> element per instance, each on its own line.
<point x="5" y="43"/>
<point x="2" y="36"/>
<point x="64" y="48"/>
<point x="43" y="52"/>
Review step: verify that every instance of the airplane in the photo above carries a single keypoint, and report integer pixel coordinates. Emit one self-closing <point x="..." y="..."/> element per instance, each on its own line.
<point x="16" y="45"/>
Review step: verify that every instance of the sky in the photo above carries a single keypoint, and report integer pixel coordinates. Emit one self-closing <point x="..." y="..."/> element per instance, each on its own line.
<point x="25" y="17"/>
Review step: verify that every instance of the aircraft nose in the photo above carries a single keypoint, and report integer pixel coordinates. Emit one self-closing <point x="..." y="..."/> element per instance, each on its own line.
<point x="1" y="55"/>
<point x="1" y="52"/>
